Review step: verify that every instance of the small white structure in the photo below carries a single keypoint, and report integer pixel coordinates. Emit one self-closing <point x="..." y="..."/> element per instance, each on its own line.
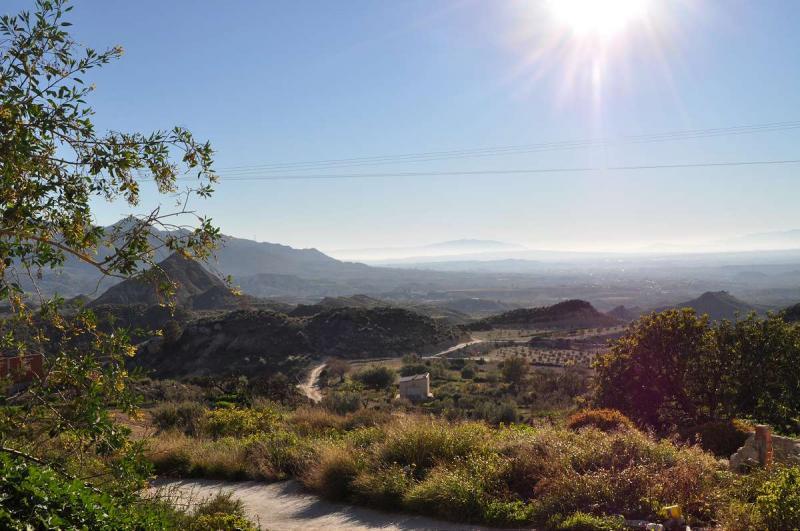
<point x="416" y="386"/>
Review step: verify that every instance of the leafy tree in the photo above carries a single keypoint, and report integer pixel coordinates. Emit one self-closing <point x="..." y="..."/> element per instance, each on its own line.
<point x="379" y="377"/>
<point x="757" y="371"/>
<point x="651" y="373"/>
<point x="338" y="367"/>
<point x="515" y="369"/>
<point x="53" y="164"/>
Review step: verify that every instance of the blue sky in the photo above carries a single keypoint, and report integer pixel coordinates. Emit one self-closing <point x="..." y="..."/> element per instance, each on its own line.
<point x="296" y="80"/>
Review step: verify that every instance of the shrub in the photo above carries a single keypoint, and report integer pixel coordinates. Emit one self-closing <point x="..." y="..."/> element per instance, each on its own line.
<point x="587" y="522"/>
<point x="459" y="490"/>
<point x="421" y="443"/>
<point x="379" y="377"/>
<point x="343" y="402"/>
<point x="779" y="500"/>
<point x="185" y="416"/>
<point x="721" y="437"/>
<point x="36" y="497"/>
<point x="240" y="422"/>
<point x="606" y="420"/>
<point x="222" y="512"/>
<point x="414" y="368"/>
<point x="333" y="472"/>
<point x="468" y="372"/>
<point x="383" y="487"/>
<point x="315" y="421"/>
<point x="505" y="412"/>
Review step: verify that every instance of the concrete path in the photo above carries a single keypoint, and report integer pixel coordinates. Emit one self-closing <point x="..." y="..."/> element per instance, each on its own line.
<point x="285" y="507"/>
<point x="454" y="348"/>
<point x="310" y="387"/>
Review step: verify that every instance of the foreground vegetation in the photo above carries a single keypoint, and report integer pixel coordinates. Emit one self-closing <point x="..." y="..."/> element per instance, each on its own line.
<point x="554" y="477"/>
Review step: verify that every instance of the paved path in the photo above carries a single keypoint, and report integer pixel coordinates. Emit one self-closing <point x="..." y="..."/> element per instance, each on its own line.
<point x="310" y="387"/>
<point x="285" y="507"/>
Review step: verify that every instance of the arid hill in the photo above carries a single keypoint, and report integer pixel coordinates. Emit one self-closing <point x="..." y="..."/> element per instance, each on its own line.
<point x="195" y="288"/>
<point x="256" y="342"/>
<point x="567" y="314"/>
<point x="719" y="305"/>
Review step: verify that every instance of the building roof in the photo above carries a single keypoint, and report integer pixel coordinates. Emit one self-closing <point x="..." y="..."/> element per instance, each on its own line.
<point x="414" y="377"/>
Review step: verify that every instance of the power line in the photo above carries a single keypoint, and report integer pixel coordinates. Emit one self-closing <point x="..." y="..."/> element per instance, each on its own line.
<point x="510" y="150"/>
<point x="531" y="171"/>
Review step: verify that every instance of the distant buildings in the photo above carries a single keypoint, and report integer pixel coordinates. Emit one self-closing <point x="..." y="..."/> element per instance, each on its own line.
<point x="416" y="387"/>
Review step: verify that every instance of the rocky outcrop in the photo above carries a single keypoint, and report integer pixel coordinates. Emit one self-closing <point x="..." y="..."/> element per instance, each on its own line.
<point x="763" y="447"/>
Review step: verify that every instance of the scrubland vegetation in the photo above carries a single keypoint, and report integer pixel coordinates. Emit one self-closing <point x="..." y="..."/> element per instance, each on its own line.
<point x="592" y="469"/>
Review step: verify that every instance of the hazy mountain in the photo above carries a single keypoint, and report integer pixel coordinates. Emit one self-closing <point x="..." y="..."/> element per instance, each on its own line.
<point x="471" y="246"/>
<point x="567" y="314"/>
<point x="195" y="287"/>
<point x="787" y="239"/>
<point x="450" y="248"/>
<point x="719" y="305"/>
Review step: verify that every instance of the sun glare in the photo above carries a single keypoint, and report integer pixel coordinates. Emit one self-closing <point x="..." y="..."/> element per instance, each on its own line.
<point x="598" y="17"/>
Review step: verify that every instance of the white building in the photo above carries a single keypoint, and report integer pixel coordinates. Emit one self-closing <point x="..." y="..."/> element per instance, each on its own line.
<point x="416" y="387"/>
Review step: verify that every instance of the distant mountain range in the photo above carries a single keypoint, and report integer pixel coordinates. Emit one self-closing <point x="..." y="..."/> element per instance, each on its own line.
<point x="448" y="248"/>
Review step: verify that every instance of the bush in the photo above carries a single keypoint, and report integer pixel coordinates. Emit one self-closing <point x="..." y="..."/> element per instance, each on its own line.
<point x="587" y="522"/>
<point x="459" y="490"/>
<point x="468" y="372"/>
<point x="420" y="443"/>
<point x="721" y="437"/>
<point x="379" y="377"/>
<point x="414" y="368"/>
<point x="606" y="420"/>
<point x="315" y="421"/>
<point x="240" y="422"/>
<point x="223" y="512"/>
<point x="505" y="412"/>
<point x="779" y="500"/>
<point x="342" y="402"/>
<point x="383" y="487"/>
<point x="333" y="472"/>
<point x="185" y="416"/>
<point x="36" y="497"/>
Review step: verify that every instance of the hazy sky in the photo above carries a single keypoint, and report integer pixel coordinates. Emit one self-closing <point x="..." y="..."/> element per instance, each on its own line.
<point x="295" y="81"/>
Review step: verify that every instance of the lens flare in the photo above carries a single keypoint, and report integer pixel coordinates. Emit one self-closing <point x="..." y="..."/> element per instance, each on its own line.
<point x="598" y="17"/>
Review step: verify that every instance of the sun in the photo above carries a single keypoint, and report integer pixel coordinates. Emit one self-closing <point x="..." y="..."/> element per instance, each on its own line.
<point x="602" y="18"/>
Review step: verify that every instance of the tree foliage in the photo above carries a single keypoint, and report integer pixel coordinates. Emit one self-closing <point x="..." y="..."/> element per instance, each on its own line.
<point x="53" y="165"/>
<point x="677" y="369"/>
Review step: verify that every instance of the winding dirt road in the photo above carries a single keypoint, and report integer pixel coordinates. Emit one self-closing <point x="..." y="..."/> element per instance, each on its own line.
<point x="285" y="507"/>
<point x="310" y="387"/>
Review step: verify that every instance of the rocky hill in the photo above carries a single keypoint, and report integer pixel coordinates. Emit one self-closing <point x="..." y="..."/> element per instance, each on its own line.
<point x="719" y="305"/>
<point x="260" y="341"/>
<point x="195" y="288"/>
<point x="567" y="314"/>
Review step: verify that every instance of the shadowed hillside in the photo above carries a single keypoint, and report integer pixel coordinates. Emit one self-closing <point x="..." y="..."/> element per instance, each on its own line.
<point x="254" y="342"/>
<point x="567" y="314"/>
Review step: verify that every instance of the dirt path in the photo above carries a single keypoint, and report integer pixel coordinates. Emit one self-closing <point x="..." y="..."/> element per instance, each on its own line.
<point x="455" y="348"/>
<point x="310" y="387"/>
<point x="285" y="507"/>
